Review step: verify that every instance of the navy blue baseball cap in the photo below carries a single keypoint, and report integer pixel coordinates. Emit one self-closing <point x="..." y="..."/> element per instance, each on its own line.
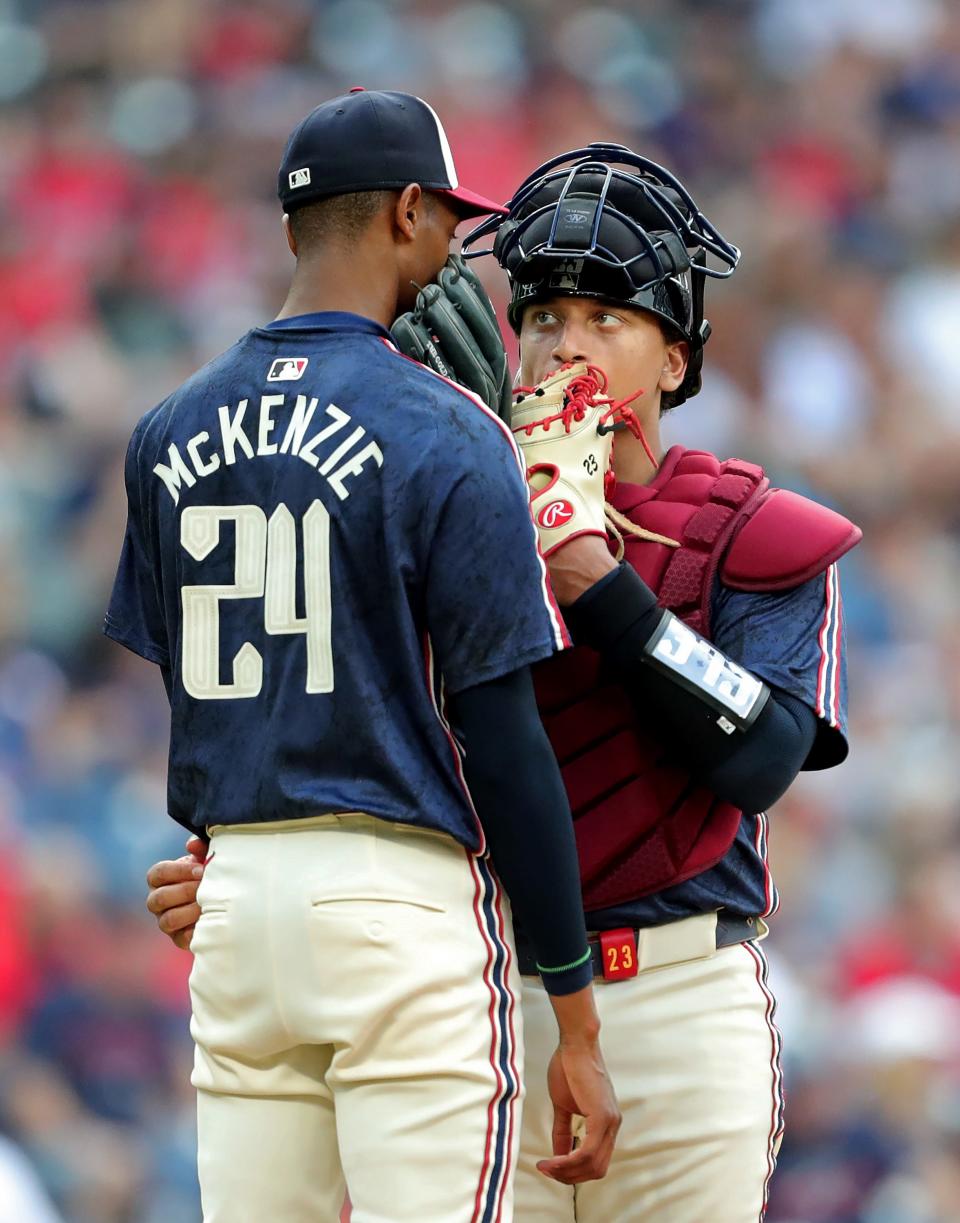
<point x="372" y="140"/>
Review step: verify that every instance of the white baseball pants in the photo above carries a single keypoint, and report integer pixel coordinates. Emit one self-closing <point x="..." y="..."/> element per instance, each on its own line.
<point x="694" y="1056"/>
<point x="357" y="1023"/>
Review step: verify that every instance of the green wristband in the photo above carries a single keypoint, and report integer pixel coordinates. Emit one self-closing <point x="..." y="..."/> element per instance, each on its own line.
<point x="566" y="967"/>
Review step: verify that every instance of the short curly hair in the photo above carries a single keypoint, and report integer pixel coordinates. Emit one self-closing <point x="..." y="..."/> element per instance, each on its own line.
<point x="343" y="217"/>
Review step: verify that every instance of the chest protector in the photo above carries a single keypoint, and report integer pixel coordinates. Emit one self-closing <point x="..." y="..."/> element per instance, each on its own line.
<point x="641" y="822"/>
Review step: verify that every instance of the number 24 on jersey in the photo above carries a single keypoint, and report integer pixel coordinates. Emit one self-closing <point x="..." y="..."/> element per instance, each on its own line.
<point x="264" y="568"/>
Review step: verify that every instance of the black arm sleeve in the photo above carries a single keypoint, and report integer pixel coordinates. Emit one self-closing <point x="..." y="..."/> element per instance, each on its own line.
<point x="751" y="766"/>
<point x="519" y="796"/>
<point x="768" y="755"/>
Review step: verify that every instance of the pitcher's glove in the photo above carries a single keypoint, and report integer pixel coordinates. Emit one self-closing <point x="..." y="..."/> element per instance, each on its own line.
<point x="453" y="330"/>
<point x="564" y="427"/>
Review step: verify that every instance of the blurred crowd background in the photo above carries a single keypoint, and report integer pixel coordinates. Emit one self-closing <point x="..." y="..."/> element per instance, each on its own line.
<point x="139" y="235"/>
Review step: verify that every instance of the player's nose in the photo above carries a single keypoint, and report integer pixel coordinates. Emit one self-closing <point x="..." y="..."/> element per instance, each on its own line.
<point x="569" y="347"/>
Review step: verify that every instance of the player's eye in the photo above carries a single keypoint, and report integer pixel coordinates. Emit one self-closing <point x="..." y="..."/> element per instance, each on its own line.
<point x="544" y="318"/>
<point x="606" y="319"/>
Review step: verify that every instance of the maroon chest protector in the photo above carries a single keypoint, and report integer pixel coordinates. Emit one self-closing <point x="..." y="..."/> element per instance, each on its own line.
<point x="642" y="824"/>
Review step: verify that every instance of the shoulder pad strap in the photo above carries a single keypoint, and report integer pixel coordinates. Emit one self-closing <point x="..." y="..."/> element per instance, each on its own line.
<point x="787" y="540"/>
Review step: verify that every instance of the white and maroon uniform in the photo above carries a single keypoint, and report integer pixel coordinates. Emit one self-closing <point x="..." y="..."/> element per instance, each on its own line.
<point x="690" y="1038"/>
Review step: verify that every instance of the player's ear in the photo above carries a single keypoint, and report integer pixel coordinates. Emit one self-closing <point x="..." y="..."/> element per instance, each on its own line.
<point x="288" y="234"/>
<point x="409" y="209"/>
<point x="675" y="357"/>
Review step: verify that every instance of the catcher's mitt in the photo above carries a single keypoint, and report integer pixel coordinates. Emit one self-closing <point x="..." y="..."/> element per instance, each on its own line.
<point x="453" y="330"/>
<point x="564" y="427"/>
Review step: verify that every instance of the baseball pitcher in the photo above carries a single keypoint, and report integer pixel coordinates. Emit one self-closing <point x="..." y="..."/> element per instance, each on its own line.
<point x="329" y="554"/>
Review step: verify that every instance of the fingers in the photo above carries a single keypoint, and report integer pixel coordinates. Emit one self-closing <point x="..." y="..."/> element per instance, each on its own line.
<point x="182" y="939"/>
<point x="562" y="1134"/>
<point x="175" y="905"/>
<point x="179" y="870"/>
<point x="179" y="921"/>
<point x="171" y="896"/>
<point x="198" y="848"/>
<point x="590" y="1160"/>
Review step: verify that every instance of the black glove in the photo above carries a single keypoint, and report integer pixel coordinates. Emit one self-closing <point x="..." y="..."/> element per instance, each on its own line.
<point x="453" y="330"/>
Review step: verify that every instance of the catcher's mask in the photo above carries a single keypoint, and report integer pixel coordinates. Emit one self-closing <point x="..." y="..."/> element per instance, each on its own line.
<point x="583" y="225"/>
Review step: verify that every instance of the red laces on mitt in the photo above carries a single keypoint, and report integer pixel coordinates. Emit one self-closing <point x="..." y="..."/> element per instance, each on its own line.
<point x="585" y="391"/>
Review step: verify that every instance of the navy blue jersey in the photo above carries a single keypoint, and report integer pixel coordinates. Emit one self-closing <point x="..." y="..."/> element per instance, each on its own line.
<point x="323" y="537"/>
<point x="794" y="640"/>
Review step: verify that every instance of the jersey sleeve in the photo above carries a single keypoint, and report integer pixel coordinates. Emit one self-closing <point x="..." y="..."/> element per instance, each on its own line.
<point x="489" y="606"/>
<point x="793" y="640"/>
<point x="135" y="614"/>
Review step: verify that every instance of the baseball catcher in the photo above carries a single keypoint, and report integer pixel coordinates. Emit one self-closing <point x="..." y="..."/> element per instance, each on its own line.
<point x="708" y="670"/>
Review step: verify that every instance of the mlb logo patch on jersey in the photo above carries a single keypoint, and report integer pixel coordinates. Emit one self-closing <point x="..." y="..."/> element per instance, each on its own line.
<point x="287" y="369"/>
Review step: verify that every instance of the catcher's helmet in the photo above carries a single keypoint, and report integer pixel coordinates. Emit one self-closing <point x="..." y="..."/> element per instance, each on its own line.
<point x="582" y="224"/>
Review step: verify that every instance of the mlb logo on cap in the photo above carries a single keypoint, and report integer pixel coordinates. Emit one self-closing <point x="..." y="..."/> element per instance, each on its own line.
<point x="372" y="140"/>
<point x="287" y="369"/>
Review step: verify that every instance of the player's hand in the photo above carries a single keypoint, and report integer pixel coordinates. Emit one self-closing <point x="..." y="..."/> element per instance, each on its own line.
<point x="172" y="898"/>
<point x="453" y="330"/>
<point x="579" y="1085"/>
<point x="577" y="566"/>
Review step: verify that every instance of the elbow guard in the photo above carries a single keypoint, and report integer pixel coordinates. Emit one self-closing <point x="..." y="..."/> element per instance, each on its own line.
<point x="620" y="618"/>
<point x="735" y="697"/>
